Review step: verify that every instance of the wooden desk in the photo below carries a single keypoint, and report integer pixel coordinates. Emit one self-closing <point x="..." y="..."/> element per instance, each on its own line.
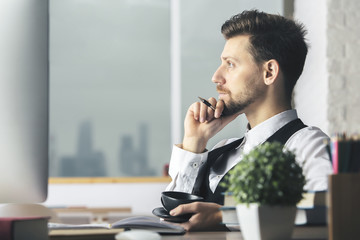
<point x="300" y="233"/>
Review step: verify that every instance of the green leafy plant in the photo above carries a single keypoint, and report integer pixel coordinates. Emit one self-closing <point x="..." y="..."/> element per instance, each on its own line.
<point x="268" y="175"/>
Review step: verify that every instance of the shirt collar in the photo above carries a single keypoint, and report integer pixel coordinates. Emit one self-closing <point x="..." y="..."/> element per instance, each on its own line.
<point x="264" y="130"/>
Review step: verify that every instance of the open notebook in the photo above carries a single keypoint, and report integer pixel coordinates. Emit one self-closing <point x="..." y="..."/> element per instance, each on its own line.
<point x="139" y="222"/>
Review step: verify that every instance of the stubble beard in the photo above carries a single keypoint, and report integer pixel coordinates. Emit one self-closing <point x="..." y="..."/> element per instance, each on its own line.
<point x="233" y="107"/>
<point x="245" y="99"/>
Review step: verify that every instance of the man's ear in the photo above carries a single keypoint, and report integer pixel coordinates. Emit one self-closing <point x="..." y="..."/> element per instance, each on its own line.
<point x="271" y="71"/>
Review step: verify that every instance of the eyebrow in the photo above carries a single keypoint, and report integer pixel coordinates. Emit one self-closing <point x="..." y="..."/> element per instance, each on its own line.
<point x="229" y="58"/>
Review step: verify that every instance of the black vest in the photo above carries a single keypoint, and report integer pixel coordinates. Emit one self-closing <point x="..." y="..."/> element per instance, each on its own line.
<point x="215" y="156"/>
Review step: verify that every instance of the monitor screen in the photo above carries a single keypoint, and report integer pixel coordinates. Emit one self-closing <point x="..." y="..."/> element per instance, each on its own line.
<point x="24" y="101"/>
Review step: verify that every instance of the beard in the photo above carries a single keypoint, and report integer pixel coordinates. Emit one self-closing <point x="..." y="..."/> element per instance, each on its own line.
<point x="244" y="99"/>
<point x="233" y="107"/>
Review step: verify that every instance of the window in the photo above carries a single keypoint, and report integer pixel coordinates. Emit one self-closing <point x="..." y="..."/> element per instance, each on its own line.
<point x="110" y="80"/>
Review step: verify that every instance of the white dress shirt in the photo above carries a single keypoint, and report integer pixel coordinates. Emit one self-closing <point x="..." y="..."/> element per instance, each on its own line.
<point x="307" y="144"/>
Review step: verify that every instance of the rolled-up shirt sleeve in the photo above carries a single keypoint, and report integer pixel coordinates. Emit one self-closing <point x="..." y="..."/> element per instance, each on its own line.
<point x="183" y="169"/>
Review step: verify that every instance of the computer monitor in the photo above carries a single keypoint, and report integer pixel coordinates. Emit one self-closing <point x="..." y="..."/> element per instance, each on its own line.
<point x="24" y="101"/>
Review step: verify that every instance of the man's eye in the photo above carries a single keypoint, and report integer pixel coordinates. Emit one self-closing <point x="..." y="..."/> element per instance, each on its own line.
<point x="230" y="65"/>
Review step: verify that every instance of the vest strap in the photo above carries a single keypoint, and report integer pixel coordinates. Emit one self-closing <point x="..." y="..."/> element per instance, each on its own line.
<point x="201" y="186"/>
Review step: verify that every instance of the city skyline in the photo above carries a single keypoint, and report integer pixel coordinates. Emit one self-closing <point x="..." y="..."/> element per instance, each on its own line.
<point x="87" y="161"/>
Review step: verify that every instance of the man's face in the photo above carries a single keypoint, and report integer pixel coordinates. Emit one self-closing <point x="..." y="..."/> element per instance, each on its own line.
<point x="239" y="79"/>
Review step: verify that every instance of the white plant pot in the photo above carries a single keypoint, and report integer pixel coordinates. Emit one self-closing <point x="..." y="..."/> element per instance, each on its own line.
<point x="266" y="222"/>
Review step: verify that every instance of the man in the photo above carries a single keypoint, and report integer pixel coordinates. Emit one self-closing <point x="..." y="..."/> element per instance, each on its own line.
<point x="261" y="61"/>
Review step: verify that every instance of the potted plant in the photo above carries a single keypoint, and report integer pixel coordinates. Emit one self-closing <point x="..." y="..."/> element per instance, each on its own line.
<point x="267" y="184"/>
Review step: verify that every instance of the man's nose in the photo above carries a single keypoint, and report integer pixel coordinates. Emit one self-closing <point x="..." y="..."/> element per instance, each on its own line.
<point x="218" y="77"/>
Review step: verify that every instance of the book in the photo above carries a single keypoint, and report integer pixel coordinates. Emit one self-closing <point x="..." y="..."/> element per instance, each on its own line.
<point x="23" y="228"/>
<point x="150" y="223"/>
<point x="311" y="210"/>
<point x="101" y="231"/>
<point x="84" y="234"/>
<point x="311" y="216"/>
<point x="229" y="200"/>
<point x="229" y="215"/>
<point x="60" y="226"/>
<point x="312" y="199"/>
<point x="228" y="211"/>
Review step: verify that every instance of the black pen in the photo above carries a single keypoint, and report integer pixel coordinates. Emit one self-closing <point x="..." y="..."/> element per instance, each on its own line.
<point x="206" y="103"/>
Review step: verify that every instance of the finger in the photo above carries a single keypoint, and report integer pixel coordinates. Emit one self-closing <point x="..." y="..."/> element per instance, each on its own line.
<point x="188" y="226"/>
<point x="203" y="112"/>
<point x="210" y="111"/>
<point x="194" y="223"/>
<point x="191" y="223"/>
<point x="196" y="110"/>
<point x="219" y="108"/>
<point x="184" y="208"/>
<point x="172" y="223"/>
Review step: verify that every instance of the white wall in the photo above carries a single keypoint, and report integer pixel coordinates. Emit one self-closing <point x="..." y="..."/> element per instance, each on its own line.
<point x="312" y="88"/>
<point x="327" y="94"/>
<point x="343" y="53"/>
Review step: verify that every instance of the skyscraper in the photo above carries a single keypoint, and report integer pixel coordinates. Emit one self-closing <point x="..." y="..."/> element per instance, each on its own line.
<point x="86" y="162"/>
<point x="134" y="160"/>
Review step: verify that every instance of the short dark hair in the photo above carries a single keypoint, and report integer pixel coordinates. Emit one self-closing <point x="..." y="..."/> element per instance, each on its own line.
<point x="272" y="37"/>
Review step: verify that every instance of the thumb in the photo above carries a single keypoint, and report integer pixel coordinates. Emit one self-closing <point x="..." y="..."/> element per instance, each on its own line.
<point x="183" y="209"/>
<point x="177" y="211"/>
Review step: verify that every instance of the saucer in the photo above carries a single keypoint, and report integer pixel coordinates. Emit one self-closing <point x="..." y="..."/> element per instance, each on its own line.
<point x="162" y="213"/>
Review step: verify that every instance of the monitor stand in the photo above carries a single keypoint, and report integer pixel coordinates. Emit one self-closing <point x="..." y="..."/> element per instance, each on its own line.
<point x="27" y="210"/>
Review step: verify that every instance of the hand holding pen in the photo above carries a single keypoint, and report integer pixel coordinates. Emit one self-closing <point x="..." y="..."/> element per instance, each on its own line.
<point x="209" y="105"/>
<point x="210" y="109"/>
<point x="218" y="111"/>
<point x="201" y="123"/>
<point x="203" y="100"/>
<point x="203" y="120"/>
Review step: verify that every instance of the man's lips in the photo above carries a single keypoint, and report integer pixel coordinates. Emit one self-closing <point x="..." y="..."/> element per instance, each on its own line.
<point x="222" y="94"/>
<point x="221" y="90"/>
